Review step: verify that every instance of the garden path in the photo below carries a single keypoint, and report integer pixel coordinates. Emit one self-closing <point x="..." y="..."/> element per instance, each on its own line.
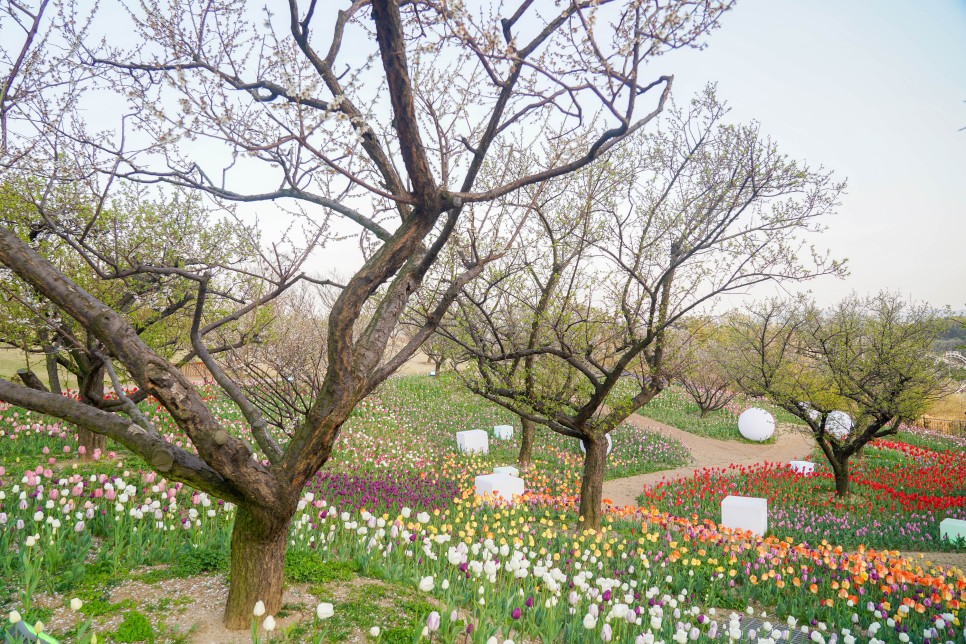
<point x="790" y="444"/>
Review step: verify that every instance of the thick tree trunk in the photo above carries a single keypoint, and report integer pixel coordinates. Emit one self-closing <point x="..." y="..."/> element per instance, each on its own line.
<point x="257" y="562"/>
<point x="525" y="457"/>
<point x="439" y="366"/>
<point x="92" y="389"/>
<point x="91" y="442"/>
<point x="592" y="483"/>
<point x="841" y="471"/>
<point x="704" y="412"/>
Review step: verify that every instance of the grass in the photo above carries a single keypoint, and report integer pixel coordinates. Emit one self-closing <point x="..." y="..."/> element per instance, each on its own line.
<point x="675" y="408"/>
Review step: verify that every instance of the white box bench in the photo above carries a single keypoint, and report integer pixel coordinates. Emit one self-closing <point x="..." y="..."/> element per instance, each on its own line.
<point x="805" y="468"/>
<point x="745" y="513"/>
<point x="503" y="432"/>
<point x="952" y="529"/>
<point x="474" y="440"/>
<point x="506" y="469"/>
<point x="502" y="485"/>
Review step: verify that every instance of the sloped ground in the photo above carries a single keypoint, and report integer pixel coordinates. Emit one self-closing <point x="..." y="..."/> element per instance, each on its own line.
<point x="790" y="444"/>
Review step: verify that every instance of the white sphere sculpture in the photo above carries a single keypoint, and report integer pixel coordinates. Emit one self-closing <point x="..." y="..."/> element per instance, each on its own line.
<point x="838" y="424"/>
<point x="812" y="413"/>
<point x="756" y="424"/>
<point x="609" y="446"/>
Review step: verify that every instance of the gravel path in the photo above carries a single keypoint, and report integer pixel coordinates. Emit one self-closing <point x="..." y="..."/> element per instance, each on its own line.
<point x="791" y="444"/>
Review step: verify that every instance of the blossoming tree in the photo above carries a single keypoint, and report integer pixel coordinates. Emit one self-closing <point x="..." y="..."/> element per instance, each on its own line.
<point x="575" y="331"/>
<point x="388" y="135"/>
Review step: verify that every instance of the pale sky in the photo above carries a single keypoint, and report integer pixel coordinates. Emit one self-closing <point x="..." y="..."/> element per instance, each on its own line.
<point x="876" y="91"/>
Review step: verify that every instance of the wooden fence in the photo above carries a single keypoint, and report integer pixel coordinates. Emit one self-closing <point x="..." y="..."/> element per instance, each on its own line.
<point x="196" y="371"/>
<point x="955" y="427"/>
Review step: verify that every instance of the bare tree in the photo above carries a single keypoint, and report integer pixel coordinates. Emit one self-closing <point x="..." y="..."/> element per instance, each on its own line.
<point x="390" y="136"/>
<point x="573" y="331"/>
<point x="704" y="375"/>
<point x="866" y="357"/>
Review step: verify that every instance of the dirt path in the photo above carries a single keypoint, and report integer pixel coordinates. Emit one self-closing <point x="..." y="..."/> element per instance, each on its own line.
<point x="790" y="444"/>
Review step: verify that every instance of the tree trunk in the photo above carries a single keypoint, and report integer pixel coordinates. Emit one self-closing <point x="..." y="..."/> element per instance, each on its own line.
<point x="841" y="471"/>
<point x="439" y="366"/>
<point x="91" y="390"/>
<point x="592" y="483"/>
<point x="53" y="376"/>
<point x="704" y="412"/>
<point x="257" y="562"/>
<point x="525" y="457"/>
<point x="90" y="442"/>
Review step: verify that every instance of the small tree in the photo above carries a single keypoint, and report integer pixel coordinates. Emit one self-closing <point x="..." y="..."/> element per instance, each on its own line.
<point x="704" y="375"/>
<point x="868" y="357"/>
<point x="573" y="330"/>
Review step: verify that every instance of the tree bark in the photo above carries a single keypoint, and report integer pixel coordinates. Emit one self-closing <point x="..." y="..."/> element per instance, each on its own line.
<point x="592" y="483"/>
<point x="841" y="471"/>
<point x="53" y="376"/>
<point x="257" y="562"/>
<point x="90" y="442"/>
<point x="704" y="412"/>
<point x="30" y="379"/>
<point x="525" y="457"/>
<point x="92" y="389"/>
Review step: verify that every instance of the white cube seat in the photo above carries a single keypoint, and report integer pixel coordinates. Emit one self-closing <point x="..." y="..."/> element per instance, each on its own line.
<point x="745" y="513"/>
<point x="506" y="469"/>
<point x="474" y="440"/>
<point x="503" y="432"/>
<point x="805" y="468"/>
<point x="501" y="485"/>
<point x="952" y="529"/>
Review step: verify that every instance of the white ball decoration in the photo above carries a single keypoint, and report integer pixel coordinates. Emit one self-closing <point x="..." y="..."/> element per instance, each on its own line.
<point x="756" y="424"/>
<point x="812" y="413"/>
<point x="609" y="446"/>
<point x="838" y="424"/>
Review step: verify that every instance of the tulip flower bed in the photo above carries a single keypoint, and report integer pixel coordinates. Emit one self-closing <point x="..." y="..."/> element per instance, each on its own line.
<point x="524" y="572"/>
<point x="901" y="493"/>
<point x="393" y="546"/>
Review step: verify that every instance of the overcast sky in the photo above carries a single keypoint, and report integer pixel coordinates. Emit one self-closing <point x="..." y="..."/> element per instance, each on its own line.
<point x="876" y="91"/>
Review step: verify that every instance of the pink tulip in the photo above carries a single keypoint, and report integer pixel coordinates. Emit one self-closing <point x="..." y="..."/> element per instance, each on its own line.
<point x="54" y="494"/>
<point x="81" y="450"/>
<point x="111" y="495"/>
<point x="51" y="460"/>
<point x="98" y="493"/>
<point x="45" y="450"/>
<point x="66" y="449"/>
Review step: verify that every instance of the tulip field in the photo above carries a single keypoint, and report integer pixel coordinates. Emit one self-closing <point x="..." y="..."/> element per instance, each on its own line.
<point x="900" y="494"/>
<point x="391" y="545"/>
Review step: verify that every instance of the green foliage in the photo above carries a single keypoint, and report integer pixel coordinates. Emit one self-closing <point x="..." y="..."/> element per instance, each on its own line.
<point x="310" y="567"/>
<point x="865" y="356"/>
<point x="134" y="628"/>
<point x="399" y="611"/>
